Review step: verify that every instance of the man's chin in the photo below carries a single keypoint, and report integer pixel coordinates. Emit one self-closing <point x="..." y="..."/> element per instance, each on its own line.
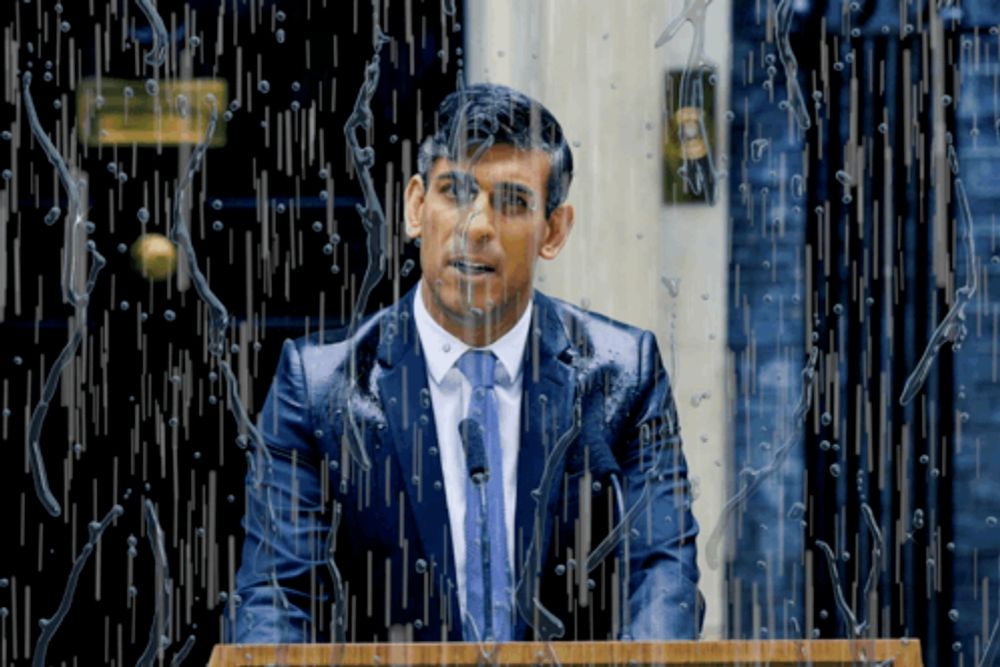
<point x="476" y="312"/>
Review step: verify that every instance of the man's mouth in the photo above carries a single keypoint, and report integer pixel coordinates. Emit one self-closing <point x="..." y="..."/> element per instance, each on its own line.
<point x="470" y="268"/>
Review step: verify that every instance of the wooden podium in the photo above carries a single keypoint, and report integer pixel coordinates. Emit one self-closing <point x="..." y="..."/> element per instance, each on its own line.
<point x="818" y="653"/>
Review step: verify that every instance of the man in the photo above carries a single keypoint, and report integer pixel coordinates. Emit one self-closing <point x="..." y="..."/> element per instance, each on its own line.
<point x="463" y="464"/>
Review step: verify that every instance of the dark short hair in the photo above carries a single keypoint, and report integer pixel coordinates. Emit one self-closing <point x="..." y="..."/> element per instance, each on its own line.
<point x="486" y="114"/>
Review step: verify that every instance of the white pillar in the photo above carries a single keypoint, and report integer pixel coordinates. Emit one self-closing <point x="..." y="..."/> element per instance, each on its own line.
<point x="594" y="65"/>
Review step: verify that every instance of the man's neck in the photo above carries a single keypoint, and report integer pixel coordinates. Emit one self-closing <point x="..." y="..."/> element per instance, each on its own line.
<point x="473" y="331"/>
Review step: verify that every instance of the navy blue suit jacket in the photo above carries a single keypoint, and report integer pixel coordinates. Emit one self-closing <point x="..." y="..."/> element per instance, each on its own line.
<point x="350" y="441"/>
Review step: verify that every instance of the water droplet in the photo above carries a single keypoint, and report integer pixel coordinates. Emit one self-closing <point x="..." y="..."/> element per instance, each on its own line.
<point x="844" y="178"/>
<point x="152" y="87"/>
<point x="406" y="268"/>
<point x="420" y="566"/>
<point x="264" y="86"/>
<point x="835" y="470"/>
<point x="216" y="204"/>
<point x="53" y="215"/>
<point x="217" y="226"/>
<point x="279" y="35"/>
<point x="65" y="26"/>
<point x="169" y="315"/>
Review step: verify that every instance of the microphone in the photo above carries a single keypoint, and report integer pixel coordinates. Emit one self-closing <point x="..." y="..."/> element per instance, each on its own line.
<point x="602" y="461"/>
<point x="604" y="464"/>
<point x="473" y="443"/>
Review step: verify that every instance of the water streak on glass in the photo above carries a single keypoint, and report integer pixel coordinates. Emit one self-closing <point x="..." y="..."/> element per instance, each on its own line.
<point x="80" y="300"/>
<point x="49" y="626"/>
<point x="160" y="628"/>
<point x="751" y="479"/>
<point x="158" y="53"/>
<point x="952" y="328"/>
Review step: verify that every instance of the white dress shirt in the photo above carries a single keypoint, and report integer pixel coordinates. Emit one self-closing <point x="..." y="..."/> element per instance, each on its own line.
<point x="450" y="394"/>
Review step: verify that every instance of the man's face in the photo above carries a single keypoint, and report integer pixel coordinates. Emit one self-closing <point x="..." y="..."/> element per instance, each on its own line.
<point x="482" y="227"/>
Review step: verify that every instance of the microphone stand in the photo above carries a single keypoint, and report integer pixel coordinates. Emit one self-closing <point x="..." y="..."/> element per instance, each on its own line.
<point x="479" y="480"/>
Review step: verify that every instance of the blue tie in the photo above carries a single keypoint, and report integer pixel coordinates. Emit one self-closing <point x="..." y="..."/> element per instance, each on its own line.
<point x="478" y="366"/>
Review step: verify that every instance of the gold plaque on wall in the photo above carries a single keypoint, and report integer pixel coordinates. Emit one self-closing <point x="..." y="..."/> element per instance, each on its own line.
<point x="172" y="113"/>
<point x="689" y="140"/>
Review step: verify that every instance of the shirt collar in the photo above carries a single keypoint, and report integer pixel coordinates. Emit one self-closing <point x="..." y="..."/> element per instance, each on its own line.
<point x="442" y="349"/>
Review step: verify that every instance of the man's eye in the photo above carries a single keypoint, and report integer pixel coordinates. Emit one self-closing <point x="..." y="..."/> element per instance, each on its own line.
<point x="512" y="203"/>
<point x="460" y="194"/>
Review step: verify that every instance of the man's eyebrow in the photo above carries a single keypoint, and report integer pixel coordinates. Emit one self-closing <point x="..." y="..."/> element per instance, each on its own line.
<point x="512" y="188"/>
<point x="515" y="186"/>
<point x="454" y="175"/>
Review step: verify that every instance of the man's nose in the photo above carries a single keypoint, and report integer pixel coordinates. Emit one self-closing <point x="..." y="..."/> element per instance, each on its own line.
<point x="479" y="223"/>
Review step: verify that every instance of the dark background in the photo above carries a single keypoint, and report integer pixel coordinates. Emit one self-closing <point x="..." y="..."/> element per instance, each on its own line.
<point x="135" y="375"/>
<point x="132" y="377"/>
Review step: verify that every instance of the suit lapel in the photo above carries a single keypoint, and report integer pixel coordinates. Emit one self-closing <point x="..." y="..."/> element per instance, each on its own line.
<point x="407" y="404"/>
<point x="549" y="393"/>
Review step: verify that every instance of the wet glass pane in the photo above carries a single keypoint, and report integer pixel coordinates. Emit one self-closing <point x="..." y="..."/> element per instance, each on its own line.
<point x="733" y="261"/>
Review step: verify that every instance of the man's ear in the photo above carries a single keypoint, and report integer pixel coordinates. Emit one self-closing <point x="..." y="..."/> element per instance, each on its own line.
<point x="557" y="230"/>
<point x="413" y="202"/>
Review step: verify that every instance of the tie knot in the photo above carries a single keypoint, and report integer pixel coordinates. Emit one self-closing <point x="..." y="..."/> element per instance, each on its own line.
<point x="478" y="367"/>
